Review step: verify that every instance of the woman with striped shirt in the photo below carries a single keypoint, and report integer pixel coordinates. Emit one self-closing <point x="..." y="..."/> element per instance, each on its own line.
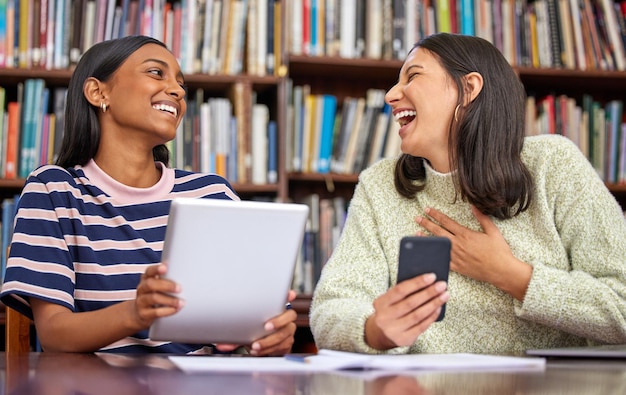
<point x="85" y="254"/>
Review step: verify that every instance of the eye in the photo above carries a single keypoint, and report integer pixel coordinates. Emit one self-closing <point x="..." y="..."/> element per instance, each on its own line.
<point x="156" y="71"/>
<point x="410" y="76"/>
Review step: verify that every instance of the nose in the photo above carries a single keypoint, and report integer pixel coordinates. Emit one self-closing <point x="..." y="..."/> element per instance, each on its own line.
<point x="393" y="95"/>
<point x="175" y="90"/>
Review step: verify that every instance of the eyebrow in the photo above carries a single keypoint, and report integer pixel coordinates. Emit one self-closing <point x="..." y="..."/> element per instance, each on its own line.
<point x="166" y="65"/>
<point x="414" y="65"/>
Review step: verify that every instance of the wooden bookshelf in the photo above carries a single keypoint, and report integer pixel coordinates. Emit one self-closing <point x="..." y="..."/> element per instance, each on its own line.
<point x="342" y="78"/>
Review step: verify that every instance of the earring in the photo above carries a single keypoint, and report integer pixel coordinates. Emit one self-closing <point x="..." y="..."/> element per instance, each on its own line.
<point x="103" y="106"/>
<point x="456" y="113"/>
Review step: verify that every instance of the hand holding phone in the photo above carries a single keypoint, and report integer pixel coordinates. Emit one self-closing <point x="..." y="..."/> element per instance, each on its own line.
<point x="420" y="255"/>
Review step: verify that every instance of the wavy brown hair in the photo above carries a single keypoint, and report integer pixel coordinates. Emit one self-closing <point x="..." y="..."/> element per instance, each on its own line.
<point x="487" y="137"/>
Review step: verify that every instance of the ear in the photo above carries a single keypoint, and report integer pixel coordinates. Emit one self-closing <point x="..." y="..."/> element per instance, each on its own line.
<point x="473" y="86"/>
<point x="93" y="89"/>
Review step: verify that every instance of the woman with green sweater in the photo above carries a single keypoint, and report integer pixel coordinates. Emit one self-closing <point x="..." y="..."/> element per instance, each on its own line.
<point x="538" y="254"/>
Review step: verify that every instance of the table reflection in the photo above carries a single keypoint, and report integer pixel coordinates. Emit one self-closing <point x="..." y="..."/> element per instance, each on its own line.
<point x="95" y="374"/>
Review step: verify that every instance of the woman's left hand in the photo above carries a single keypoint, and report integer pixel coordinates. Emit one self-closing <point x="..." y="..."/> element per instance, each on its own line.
<point x="483" y="256"/>
<point x="281" y="338"/>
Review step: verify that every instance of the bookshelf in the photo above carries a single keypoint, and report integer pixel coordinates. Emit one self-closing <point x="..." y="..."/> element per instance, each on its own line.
<point x="329" y="72"/>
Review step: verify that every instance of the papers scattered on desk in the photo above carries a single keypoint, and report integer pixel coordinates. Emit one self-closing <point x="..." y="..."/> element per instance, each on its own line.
<point x="327" y="360"/>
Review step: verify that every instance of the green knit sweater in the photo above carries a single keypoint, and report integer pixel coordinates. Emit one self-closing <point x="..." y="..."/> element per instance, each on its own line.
<point x="573" y="234"/>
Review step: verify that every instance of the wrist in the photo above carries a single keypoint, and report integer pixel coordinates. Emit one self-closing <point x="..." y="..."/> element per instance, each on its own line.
<point x="374" y="337"/>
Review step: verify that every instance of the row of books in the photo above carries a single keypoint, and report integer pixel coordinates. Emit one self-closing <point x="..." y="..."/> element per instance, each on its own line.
<point x="322" y="138"/>
<point x="323" y="228"/>
<point x="598" y="129"/>
<point x="209" y="36"/>
<point x="30" y="133"/>
<point x="575" y="34"/>
<point x="214" y="139"/>
<point x="214" y="136"/>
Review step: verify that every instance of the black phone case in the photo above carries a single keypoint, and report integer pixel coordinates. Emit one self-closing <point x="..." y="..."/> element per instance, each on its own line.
<point x="419" y="255"/>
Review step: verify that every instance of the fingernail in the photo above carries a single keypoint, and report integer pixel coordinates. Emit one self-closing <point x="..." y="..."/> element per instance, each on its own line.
<point x="444" y="296"/>
<point x="418" y="219"/>
<point x="256" y="346"/>
<point x="440" y="286"/>
<point x="429" y="278"/>
<point x="427" y="210"/>
<point x="269" y="326"/>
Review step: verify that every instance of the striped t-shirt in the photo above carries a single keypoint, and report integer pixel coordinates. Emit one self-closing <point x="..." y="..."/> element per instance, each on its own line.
<point x="82" y="240"/>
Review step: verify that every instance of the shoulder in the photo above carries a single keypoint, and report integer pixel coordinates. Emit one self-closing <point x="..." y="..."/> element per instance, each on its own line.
<point x="379" y="171"/>
<point x="202" y="184"/>
<point x="52" y="173"/>
<point x="550" y="145"/>
<point x="52" y="177"/>
<point x="554" y="154"/>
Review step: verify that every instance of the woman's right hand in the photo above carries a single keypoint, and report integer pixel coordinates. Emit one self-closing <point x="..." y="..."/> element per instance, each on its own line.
<point x="405" y="311"/>
<point x="154" y="296"/>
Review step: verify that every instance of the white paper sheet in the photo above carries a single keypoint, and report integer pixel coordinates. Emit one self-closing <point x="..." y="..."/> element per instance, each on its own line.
<point x="327" y="360"/>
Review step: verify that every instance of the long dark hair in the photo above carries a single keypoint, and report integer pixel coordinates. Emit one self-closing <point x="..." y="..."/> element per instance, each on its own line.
<point x="82" y="131"/>
<point x="487" y="136"/>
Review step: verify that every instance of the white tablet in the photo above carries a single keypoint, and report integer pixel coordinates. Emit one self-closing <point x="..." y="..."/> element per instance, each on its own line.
<point x="234" y="261"/>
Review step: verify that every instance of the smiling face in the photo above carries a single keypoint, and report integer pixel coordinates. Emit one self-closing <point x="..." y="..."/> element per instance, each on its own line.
<point x="423" y="103"/>
<point x="146" y="98"/>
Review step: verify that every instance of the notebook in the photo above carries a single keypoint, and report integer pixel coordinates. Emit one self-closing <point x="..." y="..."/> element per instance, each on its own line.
<point x="234" y="261"/>
<point x="600" y="351"/>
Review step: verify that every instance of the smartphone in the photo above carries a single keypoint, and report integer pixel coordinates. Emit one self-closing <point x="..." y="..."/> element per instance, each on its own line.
<point x="420" y="255"/>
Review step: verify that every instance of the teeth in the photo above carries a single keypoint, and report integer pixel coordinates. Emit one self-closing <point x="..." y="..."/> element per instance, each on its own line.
<point x="403" y="117"/>
<point x="405" y="113"/>
<point x="164" y="107"/>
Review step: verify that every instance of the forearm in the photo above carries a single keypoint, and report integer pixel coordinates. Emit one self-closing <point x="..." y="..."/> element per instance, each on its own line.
<point x="515" y="278"/>
<point x="61" y="330"/>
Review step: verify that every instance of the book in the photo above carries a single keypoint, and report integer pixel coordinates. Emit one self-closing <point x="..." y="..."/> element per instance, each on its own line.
<point x="259" y="143"/>
<point x="613" y="31"/>
<point x="399" y="26"/>
<point x="329" y="109"/>
<point x="340" y="143"/>
<point x="347" y="28"/>
<point x="272" y="152"/>
<point x="3" y="33"/>
<point x="13" y="139"/>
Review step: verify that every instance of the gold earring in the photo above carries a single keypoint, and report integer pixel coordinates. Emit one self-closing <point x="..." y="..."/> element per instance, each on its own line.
<point x="456" y="113"/>
<point x="103" y="106"/>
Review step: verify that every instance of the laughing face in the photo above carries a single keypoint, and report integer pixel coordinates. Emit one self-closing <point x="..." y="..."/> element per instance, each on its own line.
<point x="146" y="96"/>
<point x="423" y="103"/>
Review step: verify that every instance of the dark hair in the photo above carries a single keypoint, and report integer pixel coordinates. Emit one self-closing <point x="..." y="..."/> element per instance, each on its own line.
<point x="81" y="135"/>
<point x="486" y="138"/>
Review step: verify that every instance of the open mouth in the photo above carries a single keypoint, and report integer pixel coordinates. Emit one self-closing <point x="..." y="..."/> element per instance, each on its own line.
<point x="169" y="109"/>
<point x="404" y="117"/>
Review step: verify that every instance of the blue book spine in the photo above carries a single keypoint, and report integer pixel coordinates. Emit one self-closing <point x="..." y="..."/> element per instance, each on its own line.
<point x="326" y="140"/>
<point x="467" y="17"/>
<point x="272" y="154"/>
<point x="314" y="33"/>
<point x="3" y="32"/>
<point x="124" y="19"/>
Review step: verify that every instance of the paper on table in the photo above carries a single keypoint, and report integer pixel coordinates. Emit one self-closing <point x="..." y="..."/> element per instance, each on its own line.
<point x="327" y="360"/>
<point x="458" y="361"/>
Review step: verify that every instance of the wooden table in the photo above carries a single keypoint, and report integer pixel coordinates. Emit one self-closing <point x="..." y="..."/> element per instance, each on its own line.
<point x="85" y="374"/>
